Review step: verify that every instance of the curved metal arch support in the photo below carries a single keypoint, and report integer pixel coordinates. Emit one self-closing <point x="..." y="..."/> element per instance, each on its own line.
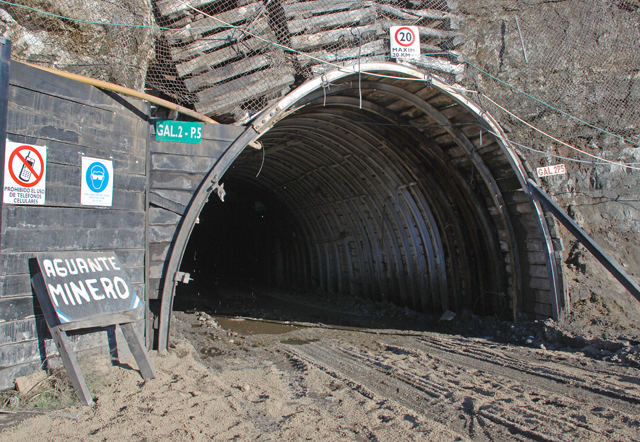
<point x="185" y="228"/>
<point x="428" y="232"/>
<point x="411" y="213"/>
<point x="374" y="198"/>
<point x="343" y="115"/>
<point x="317" y="138"/>
<point x="270" y="116"/>
<point x="467" y="146"/>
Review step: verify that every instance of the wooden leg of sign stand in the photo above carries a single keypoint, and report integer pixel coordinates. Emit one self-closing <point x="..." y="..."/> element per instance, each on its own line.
<point x="70" y="361"/>
<point x="62" y="342"/>
<point x="139" y="350"/>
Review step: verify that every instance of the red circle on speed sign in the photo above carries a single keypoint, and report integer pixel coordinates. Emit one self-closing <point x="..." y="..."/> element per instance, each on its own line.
<point x="25" y="163"/>
<point x="406" y="38"/>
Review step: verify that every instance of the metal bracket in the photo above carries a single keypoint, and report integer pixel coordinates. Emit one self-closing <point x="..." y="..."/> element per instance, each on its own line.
<point x="182" y="277"/>
<point x="219" y="189"/>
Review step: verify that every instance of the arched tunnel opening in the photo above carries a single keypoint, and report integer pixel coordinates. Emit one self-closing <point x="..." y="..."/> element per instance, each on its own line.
<point x="381" y="189"/>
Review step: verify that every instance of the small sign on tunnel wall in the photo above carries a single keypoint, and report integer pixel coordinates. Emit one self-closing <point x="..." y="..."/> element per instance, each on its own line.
<point x="558" y="169"/>
<point x="25" y="171"/>
<point x="405" y="41"/>
<point x="96" y="187"/>
<point x="178" y="131"/>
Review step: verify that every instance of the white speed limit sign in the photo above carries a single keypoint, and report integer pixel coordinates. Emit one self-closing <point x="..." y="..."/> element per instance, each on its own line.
<point x="405" y="41"/>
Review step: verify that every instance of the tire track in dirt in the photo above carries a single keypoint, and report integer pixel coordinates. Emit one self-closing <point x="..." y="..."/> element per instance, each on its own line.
<point x="474" y="396"/>
<point x="424" y="399"/>
<point x="624" y="391"/>
<point x="423" y="427"/>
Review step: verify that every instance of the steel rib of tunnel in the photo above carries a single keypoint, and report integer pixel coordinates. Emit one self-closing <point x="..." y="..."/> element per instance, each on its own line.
<point x="416" y="233"/>
<point x="462" y="141"/>
<point x="462" y="159"/>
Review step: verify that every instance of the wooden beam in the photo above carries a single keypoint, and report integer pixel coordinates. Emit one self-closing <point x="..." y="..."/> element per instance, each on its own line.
<point x="168" y="7"/>
<point x="308" y="9"/>
<point x="194" y="30"/>
<point x="166" y="204"/>
<point x="138" y="349"/>
<point x="204" y="62"/>
<point x="223" y="97"/>
<point x="323" y="22"/>
<point x="220" y="39"/>
<point x="231" y="70"/>
<point x="374" y="48"/>
<point x="62" y="342"/>
<point x="126" y="91"/>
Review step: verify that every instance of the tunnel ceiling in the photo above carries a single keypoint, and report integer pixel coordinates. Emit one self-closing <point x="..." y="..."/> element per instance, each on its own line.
<point x="391" y="192"/>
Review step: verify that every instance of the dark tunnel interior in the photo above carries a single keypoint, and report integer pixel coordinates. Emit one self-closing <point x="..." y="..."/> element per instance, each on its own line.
<point x="394" y="198"/>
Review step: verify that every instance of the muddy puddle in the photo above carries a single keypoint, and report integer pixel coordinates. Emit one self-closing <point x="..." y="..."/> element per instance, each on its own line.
<point x="245" y="326"/>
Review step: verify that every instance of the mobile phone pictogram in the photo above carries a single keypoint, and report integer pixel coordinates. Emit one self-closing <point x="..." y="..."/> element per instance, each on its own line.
<point x="25" y="173"/>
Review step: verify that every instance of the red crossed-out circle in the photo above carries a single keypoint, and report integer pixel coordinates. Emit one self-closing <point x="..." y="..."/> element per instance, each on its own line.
<point x="15" y="153"/>
<point x="405" y="44"/>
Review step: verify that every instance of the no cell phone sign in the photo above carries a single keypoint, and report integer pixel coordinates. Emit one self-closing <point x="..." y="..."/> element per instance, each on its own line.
<point x="25" y="167"/>
<point x="405" y="42"/>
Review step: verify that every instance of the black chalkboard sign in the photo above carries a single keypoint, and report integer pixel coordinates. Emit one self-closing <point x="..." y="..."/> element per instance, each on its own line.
<point x="78" y="290"/>
<point x="83" y="286"/>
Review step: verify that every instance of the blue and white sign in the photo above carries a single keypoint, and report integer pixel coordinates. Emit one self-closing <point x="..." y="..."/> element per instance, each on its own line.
<point x="97" y="182"/>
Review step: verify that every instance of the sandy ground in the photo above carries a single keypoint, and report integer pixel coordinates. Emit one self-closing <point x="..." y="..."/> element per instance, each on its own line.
<point x="242" y="378"/>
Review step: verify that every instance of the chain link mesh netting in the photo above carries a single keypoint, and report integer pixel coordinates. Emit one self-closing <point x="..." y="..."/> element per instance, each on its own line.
<point x="222" y="70"/>
<point x="42" y="34"/>
<point x="225" y="57"/>
<point x="580" y="57"/>
<point x="229" y="58"/>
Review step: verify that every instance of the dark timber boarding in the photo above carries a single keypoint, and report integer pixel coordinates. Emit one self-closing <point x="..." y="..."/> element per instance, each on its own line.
<point x="72" y="119"/>
<point x="153" y="184"/>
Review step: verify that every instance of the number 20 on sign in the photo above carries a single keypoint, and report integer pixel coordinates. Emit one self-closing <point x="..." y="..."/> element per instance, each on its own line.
<point x="405" y="41"/>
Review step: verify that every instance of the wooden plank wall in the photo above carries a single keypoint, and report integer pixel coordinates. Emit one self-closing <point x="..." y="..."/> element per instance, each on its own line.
<point x="176" y="172"/>
<point x="73" y="120"/>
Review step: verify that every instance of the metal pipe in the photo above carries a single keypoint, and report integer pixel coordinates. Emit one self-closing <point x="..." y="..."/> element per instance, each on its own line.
<point x="608" y="263"/>
<point x="126" y="91"/>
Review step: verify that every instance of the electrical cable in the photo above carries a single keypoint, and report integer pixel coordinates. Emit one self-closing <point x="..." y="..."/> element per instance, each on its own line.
<point x="546" y="153"/>
<point x="264" y="150"/>
<point x="556" y="139"/>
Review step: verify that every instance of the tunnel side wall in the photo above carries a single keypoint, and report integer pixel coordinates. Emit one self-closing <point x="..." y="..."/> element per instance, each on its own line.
<point x="72" y="120"/>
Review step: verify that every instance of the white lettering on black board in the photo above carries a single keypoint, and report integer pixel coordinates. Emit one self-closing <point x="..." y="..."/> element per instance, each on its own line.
<point x="84" y="285"/>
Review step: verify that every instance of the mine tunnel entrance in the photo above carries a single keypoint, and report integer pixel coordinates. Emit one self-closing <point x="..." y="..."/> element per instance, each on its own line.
<point x="384" y="189"/>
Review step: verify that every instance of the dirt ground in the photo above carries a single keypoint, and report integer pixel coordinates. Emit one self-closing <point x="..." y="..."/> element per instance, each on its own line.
<point x="322" y="367"/>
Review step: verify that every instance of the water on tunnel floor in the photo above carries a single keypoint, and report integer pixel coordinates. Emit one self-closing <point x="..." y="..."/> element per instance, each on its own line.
<point x="232" y="259"/>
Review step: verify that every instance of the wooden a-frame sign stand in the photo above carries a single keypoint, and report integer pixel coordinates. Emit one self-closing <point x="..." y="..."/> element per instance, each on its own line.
<point x="95" y="304"/>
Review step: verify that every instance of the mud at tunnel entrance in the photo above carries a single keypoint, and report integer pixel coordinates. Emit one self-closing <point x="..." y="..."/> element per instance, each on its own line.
<point x="383" y="188"/>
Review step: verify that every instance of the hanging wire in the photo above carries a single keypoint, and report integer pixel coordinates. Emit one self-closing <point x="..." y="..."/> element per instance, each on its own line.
<point x="264" y="154"/>
<point x="595" y="163"/>
<point x="614" y="163"/>
<point x="246" y="30"/>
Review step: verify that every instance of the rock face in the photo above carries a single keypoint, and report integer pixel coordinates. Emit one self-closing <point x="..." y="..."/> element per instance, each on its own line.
<point x="118" y="54"/>
<point x="582" y="58"/>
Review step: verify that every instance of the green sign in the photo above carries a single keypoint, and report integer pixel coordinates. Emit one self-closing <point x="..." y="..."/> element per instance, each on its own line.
<point x="178" y="131"/>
